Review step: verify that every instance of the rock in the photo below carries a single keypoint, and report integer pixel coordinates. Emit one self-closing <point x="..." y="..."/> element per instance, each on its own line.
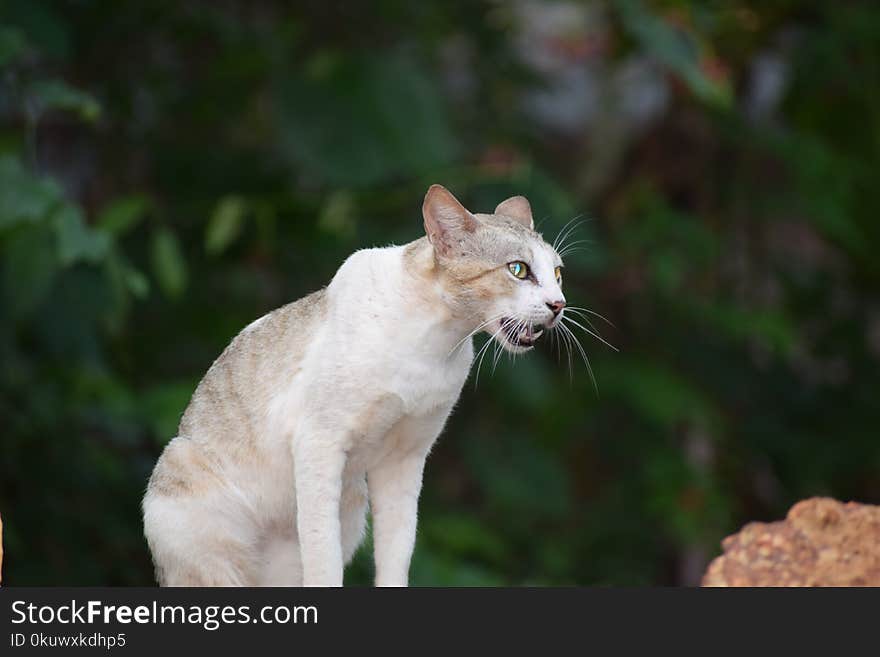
<point x="822" y="542"/>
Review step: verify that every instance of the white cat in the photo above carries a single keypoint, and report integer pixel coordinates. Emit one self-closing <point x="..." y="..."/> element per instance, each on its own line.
<point x="337" y="398"/>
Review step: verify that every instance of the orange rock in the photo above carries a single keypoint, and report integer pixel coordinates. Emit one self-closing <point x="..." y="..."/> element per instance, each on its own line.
<point x="822" y="542"/>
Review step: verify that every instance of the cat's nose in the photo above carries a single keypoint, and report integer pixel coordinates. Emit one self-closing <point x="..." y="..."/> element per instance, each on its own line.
<point x="556" y="306"/>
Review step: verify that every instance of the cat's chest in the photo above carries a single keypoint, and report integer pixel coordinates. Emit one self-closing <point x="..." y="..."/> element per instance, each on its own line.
<point x="407" y="408"/>
<point x="426" y="384"/>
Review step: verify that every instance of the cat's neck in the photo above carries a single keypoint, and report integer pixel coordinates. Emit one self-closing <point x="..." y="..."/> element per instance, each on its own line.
<point x="427" y="300"/>
<point x="398" y="295"/>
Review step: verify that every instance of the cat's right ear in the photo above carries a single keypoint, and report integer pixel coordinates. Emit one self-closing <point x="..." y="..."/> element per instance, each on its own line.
<point x="446" y="220"/>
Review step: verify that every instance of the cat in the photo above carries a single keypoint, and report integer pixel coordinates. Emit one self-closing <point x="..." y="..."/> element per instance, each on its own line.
<point x="329" y="405"/>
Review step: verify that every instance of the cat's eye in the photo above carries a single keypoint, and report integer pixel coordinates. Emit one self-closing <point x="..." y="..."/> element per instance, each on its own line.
<point x="558" y="273"/>
<point x="519" y="269"/>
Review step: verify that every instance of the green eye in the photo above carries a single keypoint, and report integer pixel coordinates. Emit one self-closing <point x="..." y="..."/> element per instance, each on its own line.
<point x="519" y="269"/>
<point x="558" y="273"/>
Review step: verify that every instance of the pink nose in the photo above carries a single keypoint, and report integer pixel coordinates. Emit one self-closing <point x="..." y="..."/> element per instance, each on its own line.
<point x="556" y="306"/>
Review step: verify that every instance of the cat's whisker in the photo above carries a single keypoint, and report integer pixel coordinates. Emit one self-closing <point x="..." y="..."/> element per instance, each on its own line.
<point x="583" y="355"/>
<point x="474" y="332"/>
<point x="499" y="350"/>
<point x="569" y="251"/>
<point x="591" y="312"/>
<point x="567" y="225"/>
<point x="541" y="222"/>
<point x="565" y="231"/>
<point x="573" y="246"/>
<point x="586" y="318"/>
<point x="564" y="336"/>
<point x="479" y="358"/>
<point x="560" y="244"/>
<point x="573" y="249"/>
<point x="555" y="340"/>
<point x="485" y="348"/>
<point x="516" y="327"/>
<point x="595" y="335"/>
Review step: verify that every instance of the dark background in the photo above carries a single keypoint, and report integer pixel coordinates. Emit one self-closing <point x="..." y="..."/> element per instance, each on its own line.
<point x="169" y="171"/>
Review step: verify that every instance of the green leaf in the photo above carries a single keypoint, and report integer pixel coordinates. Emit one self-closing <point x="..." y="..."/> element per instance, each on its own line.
<point x="674" y="48"/>
<point x="23" y="196"/>
<point x="58" y="95"/>
<point x="137" y="283"/>
<point x="169" y="266"/>
<point x="225" y="224"/>
<point x="76" y="241"/>
<point x="125" y="281"/>
<point x="123" y="214"/>
<point x="337" y="215"/>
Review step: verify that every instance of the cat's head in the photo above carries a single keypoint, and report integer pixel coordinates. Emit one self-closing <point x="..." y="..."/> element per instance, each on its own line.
<point x="497" y="272"/>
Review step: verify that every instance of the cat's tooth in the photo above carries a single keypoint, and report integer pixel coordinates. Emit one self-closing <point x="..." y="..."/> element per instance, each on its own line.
<point x="538" y="334"/>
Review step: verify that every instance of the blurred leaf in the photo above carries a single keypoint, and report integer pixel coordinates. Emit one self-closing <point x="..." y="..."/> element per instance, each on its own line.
<point x="76" y="241"/>
<point x="337" y="214"/>
<point x="123" y="214"/>
<point x="58" y="95"/>
<point x="137" y="282"/>
<point x="125" y="281"/>
<point x="23" y="196"/>
<point x="675" y="48"/>
<point x="169" y="266"/>
<point x="225" y="224"/>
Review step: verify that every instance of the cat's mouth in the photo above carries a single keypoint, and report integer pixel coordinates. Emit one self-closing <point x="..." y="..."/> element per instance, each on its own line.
<point x="517" y="336"/>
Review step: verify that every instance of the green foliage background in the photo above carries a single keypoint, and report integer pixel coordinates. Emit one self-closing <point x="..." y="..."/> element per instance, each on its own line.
<point x="169" y="171"/>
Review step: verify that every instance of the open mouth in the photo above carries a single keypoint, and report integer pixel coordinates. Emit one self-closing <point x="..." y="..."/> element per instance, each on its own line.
<point x="518" y="334"/>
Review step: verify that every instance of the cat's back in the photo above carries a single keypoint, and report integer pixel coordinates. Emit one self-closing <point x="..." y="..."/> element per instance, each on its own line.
<point x="232" y="400"/>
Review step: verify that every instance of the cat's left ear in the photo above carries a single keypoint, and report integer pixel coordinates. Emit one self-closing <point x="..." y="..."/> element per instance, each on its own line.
<point x="446" y="220"/>
<point x="517" y="207"/>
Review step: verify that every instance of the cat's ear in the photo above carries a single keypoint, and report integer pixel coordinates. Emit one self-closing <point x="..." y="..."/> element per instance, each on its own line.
<point x="446" y="220"/>
<point x="517" y="207"/>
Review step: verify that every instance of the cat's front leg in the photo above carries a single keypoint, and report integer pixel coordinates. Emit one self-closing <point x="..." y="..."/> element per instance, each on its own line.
<point x="394" y="486"/>
<point x="318" y="465"/>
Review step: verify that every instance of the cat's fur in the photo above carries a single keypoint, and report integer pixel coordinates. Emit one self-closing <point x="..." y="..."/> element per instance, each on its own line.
<point x="336" y="399"/>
